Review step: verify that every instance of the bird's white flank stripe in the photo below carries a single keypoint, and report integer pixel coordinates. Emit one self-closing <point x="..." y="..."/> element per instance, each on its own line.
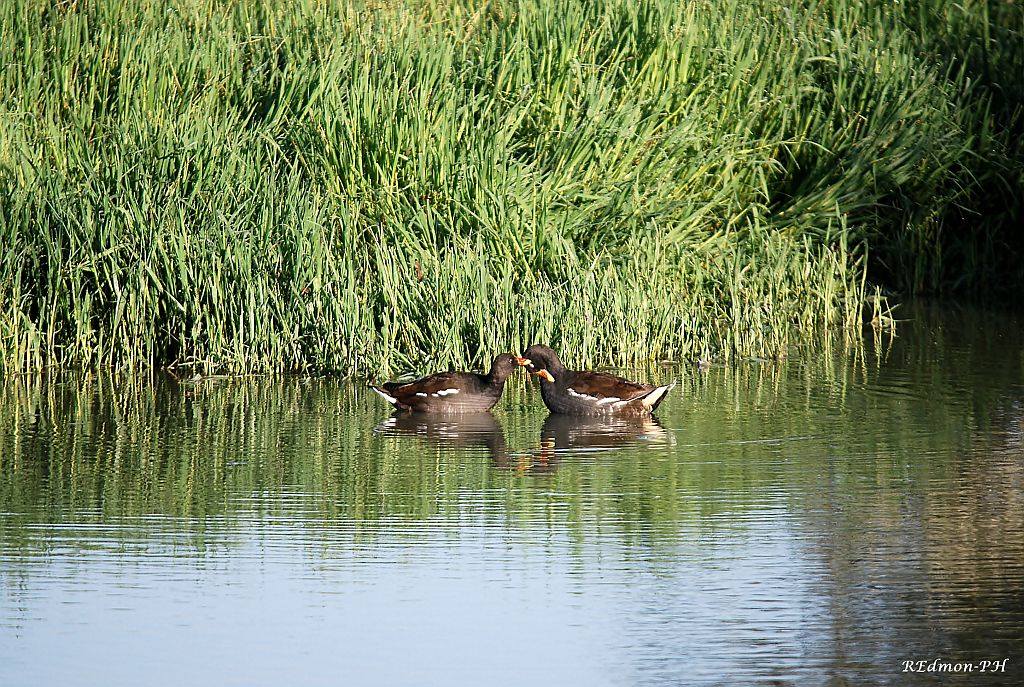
<point x="420" y="393"/>
<point x="610" y="399"/>
<point x="587" y="397"/>
<point x="445" y="392"/>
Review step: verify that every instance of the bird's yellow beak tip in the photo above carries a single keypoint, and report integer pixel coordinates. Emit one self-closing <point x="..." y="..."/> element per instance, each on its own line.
<point x="544" y="374"/>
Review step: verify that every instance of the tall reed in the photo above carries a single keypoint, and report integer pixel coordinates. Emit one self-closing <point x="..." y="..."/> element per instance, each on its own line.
<point x="248" y="185"/>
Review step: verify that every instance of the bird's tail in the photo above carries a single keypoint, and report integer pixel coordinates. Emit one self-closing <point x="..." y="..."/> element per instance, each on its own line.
<point x="384" y="394"/>
<point x="654" y="398"/>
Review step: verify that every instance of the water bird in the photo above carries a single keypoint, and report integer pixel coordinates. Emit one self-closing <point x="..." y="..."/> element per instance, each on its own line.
<point x="571" y="392"/>
<point x="452" y="392"/>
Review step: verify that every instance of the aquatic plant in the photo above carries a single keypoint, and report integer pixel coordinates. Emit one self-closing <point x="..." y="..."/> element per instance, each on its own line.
<point x="364" y="186"/>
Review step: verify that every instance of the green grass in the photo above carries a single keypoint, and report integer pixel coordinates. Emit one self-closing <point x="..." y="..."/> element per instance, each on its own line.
<point x="370" y="187"/>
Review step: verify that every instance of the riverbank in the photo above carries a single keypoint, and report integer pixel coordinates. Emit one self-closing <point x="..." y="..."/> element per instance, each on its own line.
<point x="364" y="189"/>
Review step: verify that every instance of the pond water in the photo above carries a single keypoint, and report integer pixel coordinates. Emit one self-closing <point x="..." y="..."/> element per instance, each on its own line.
<point x="816" y="521"/>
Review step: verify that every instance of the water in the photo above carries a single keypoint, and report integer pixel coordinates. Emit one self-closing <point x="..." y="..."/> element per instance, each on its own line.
<point x="811" y="522"/>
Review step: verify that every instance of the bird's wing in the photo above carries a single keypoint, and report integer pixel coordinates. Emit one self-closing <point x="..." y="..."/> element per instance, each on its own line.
<point x="601" y="386"/>
<point x="438" y="385"/>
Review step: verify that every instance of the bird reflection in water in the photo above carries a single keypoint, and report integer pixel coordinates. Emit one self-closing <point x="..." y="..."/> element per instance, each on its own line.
<point x="472" y="430"/>
<point x="561" y="436"/>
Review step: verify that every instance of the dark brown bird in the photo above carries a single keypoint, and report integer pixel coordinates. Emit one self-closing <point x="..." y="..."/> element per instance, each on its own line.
<point x="452" y="392"/>
<point x="570" y="392"/>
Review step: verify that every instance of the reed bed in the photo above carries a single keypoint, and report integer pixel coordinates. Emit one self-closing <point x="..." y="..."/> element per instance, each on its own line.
<point x="250" y="186"/>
